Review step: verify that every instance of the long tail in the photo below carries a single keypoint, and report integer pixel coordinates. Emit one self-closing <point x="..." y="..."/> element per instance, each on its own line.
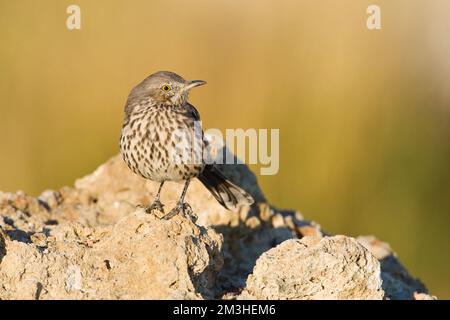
<point x="227" y="193"/>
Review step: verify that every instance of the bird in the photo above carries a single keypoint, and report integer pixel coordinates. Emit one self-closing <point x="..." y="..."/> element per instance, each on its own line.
<point x="162" y="140"/>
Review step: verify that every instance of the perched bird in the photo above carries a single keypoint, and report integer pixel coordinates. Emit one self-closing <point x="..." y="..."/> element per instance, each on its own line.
<point x="160" y="138"/>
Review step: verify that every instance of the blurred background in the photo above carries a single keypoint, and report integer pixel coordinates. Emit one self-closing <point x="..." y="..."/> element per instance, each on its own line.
<point x="364" y="116"/>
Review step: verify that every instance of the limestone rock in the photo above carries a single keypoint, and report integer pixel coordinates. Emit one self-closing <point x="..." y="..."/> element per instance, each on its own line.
<point x="112" y="190"/>
<point x="397" y="283"/>
<point x="139" y="257"/>
<point x="91" y="242"/>
<point x="316" y="268"/>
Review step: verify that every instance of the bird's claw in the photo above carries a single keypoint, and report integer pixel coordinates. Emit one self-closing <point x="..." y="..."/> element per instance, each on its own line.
<point x="156" y="205"/>
<point x="184" y="208"/>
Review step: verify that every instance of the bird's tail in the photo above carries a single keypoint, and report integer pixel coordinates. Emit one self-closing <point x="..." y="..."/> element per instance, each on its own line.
<point x="227" y="193"/>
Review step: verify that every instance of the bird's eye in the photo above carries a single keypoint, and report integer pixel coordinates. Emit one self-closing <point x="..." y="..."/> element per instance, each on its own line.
<point x="166" y="88"/>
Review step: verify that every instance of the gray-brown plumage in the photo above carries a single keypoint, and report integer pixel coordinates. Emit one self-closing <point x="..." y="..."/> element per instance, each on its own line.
<point x="161" y="141"/>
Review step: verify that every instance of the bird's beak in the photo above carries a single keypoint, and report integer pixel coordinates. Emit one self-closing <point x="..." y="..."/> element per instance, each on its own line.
<point x="194" y="83"/>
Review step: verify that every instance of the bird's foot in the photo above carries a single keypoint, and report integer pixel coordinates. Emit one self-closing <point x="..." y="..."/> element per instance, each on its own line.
<point x="182" y="207"/>
<point x="156" y="205"/>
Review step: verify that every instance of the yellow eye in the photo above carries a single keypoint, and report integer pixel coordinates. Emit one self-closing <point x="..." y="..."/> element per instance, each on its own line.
<point x="166" y="88"/>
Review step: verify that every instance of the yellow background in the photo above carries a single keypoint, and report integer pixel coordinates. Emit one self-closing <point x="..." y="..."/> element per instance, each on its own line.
<point x="363" y="115"/>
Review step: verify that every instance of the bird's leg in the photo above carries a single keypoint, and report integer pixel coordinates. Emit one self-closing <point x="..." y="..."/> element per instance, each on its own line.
<point x="182" y="206"/>
<point x="156" y="203"/>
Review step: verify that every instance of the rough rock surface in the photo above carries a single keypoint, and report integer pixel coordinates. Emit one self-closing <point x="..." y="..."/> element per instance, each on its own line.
<point x="316" y="268"/>
<point x="138" y="257"/>
<point x="92" y="242"/>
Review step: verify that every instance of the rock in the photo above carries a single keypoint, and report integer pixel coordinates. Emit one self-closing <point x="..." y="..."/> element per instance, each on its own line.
<point x="247" y="233"/>
<point x="397" y="283"/>
<point x="2" y="244"/>
<point x="92" y="242"/>
<point x="316" y="268"/>
<point x="423" y="296"/>
<point x="139" y="257"/>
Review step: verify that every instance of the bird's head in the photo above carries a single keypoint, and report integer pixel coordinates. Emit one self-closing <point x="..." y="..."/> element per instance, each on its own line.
<point x="165" y="87"/>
